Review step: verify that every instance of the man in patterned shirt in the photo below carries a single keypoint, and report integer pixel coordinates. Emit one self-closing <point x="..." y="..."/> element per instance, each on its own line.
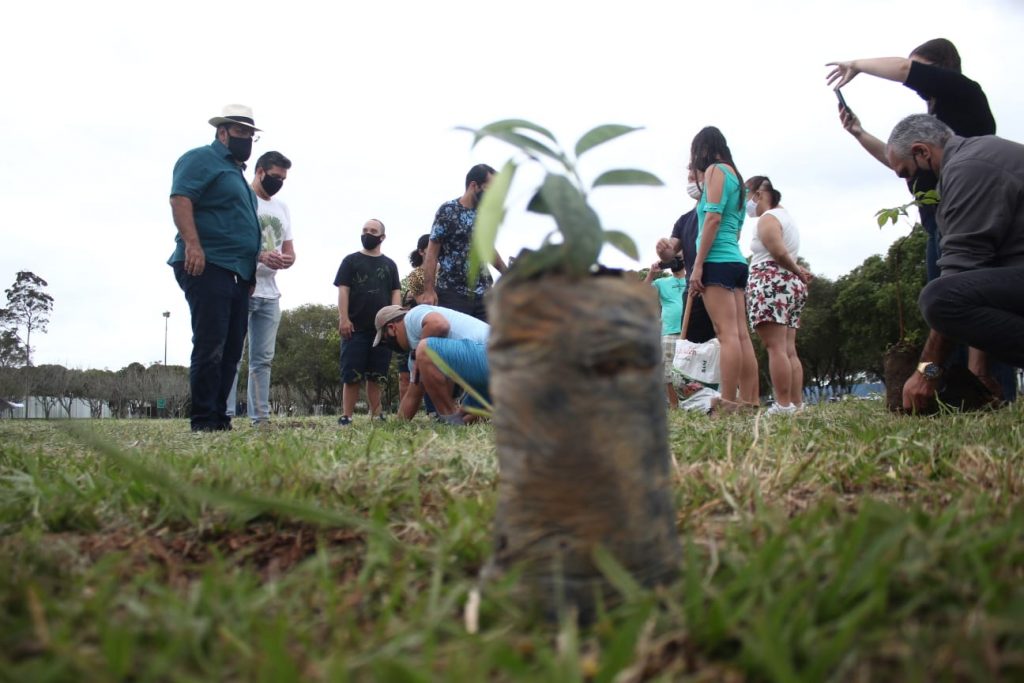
<point x="446" y="263"/>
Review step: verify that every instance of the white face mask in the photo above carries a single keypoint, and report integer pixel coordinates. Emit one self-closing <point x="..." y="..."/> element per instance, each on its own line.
<point x="693" y="190"/>
<point x="752" y="208"/>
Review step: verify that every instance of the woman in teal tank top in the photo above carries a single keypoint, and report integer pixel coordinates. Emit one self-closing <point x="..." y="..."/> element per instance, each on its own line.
<point x="720" y="270"/>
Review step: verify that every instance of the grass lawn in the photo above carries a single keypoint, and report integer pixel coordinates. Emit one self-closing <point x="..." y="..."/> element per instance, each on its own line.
<point x="844" y="544"/>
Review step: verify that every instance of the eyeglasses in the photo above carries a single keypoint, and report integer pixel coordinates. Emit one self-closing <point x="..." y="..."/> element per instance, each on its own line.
<point x="243" y="132"/>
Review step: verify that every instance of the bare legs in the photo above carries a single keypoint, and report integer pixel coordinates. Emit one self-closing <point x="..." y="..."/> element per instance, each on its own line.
<point x="350" y="394"/>
<point x="673" y="397"/>
<point x="786" y="370"/>
<point x="727" y="309"/>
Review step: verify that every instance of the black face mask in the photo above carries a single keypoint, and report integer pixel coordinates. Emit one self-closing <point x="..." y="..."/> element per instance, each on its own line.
<point x="270" y="184"/>
<point x="924" y="179"/>
<point x="240" y="148"/>
<point x="392" y="343"/>
<point x="370" y="242"/>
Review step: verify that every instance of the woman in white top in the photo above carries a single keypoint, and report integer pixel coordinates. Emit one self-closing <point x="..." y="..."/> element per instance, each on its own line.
<point x="776" y="291"/>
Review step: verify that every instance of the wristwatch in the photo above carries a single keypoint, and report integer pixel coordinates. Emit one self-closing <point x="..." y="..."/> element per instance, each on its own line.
<point x="931" y="371"/>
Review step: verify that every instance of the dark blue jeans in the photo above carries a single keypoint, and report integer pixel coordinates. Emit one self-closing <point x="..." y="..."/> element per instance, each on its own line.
<point x="219" y="303"/>
<point x="982" y="308"/>
<point x="471" y="304"/>
<point x="1004" y="374"/>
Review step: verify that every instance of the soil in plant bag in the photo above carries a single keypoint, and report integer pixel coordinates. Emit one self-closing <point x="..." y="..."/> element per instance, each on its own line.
<point x="581" y="434"/>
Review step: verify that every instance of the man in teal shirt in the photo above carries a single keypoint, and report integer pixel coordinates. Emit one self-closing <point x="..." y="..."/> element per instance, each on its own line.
<point x="671" y="294"/>
<point x="214" y="259"/>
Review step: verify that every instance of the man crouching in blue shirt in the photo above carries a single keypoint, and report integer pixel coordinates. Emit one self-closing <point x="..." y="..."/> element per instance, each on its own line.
<point x="458" y="339"/>
<point x="214" y="259"/>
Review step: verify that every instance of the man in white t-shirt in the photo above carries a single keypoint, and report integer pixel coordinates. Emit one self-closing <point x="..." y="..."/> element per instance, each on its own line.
<point x="276" y="253"/>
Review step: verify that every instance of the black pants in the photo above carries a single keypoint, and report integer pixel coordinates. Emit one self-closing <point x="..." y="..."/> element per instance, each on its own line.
<point x="471" y="304"/>
<point x="982" y="308"/>
<point x="219" y="303"/>
<point x="699" y="329"/>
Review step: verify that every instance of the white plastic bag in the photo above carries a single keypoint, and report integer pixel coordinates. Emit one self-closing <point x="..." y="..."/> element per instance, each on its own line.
<point x="697" y="361"/>
<point x="700" y="400"/>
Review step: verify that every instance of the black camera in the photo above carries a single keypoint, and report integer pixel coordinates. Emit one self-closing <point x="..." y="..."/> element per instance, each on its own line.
<point x="675" y="265"/>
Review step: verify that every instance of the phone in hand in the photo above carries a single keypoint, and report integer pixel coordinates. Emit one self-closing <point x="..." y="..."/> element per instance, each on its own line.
<point x="842" y="100"/>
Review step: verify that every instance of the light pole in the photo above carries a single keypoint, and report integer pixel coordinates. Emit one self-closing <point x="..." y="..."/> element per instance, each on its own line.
<point x="167" y="315"/>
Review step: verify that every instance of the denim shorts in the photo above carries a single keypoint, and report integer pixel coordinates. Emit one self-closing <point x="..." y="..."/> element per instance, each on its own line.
<point x="469" y="361"/>
<point x="729" y="275"/>
<point x="361" y="360"/>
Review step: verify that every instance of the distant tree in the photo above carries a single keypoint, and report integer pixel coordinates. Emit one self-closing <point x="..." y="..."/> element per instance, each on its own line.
<point x="47" y="384"/>
<point x="28" y="307"/>
<point x="12" y="351"/>
<point x="170" y="383"/>
<point x="94" y="387"/>
<point x="820" y="342"/>
<point x="130" y="389"/>
<point x="306" y="359"/>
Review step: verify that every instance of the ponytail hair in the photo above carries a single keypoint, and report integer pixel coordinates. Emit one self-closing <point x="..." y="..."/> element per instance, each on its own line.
<point x="761" y="183"/>
<point x="415" y="257"/>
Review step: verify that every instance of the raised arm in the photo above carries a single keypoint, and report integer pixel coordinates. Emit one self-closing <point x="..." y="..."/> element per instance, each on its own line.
<point x="889" y="68"/>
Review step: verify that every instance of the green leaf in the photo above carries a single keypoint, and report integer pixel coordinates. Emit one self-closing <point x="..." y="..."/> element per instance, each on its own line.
<point x="600" y="135"/>
<point x="544" y="260"/>
<point x="883" y="216"/>
<point x="623" y="243"/>
<point x="512" y="124"/>
<point x="617" y="575"/>
<point x="627" y="176"/>
<point x="489" y="216"/>
<point x="579" y="225"/>
<point x="537" y="205"/>
<point x="526" y="144"/>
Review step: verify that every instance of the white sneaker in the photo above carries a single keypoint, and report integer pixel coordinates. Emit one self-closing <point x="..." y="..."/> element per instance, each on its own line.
<point x="779" y="409"/>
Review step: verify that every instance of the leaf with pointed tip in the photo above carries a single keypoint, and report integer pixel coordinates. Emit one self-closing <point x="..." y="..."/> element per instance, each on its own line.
<point x="526" y="144"/>
<point x="537" y="205"/>
<point x="489" y="216"/>
<point x="623" y="243"/>
<point x="579" y="225"/>
<point x="513" y="124"/>
<point x="544" y="260"/>
<point x="600" y="135"/>
<point x="627" y="176"/>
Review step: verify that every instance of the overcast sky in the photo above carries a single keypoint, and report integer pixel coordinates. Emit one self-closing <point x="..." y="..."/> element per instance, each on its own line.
<point x="103" y="97"/>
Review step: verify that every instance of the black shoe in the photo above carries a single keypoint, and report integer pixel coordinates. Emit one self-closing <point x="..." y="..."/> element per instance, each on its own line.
<point x="344" y="421"/>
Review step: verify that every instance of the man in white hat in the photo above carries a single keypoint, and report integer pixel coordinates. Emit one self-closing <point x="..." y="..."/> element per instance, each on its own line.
<point x="214" y="259"/>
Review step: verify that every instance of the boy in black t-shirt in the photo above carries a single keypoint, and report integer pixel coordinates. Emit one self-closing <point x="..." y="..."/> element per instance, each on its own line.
<point x="367" y="281"/>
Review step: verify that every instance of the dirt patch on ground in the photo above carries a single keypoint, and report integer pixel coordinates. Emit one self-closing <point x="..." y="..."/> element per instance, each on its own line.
<point x="269" y="548"/>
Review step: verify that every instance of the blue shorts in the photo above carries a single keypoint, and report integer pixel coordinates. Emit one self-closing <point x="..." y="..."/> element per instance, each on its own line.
<point x="729" y="275"/>
<point x="469" y="361"/>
